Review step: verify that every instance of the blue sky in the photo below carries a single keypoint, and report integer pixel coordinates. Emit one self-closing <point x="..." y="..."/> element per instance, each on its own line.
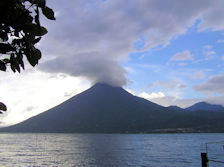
<point x="205" y="47"/>
<point x="169" y="52"/>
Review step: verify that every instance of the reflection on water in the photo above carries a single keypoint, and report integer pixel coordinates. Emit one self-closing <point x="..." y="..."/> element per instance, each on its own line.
<point x="104" y="150"/>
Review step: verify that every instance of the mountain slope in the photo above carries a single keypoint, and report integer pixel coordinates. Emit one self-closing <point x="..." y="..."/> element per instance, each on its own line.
<point x="107" y="109"/>
<point x="176" y="108"/>
<point x="102" y="108"/>
<point x="205" y="106"/>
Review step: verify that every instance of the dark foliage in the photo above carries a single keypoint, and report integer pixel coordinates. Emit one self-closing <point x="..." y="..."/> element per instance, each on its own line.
<point x="20" y="30"/>
<point x="2" y="107"/>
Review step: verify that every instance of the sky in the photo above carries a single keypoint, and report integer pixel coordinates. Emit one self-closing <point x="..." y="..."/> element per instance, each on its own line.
<point x="169" y="52"/>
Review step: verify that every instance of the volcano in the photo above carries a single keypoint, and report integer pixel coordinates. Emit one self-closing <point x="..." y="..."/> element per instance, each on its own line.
<point x="205" y="106"/>
<point x="108" y="109"/>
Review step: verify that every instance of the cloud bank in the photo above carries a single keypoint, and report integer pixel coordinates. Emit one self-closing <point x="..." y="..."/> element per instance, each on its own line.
<point x="181" y="56"/>
<point x="92" y="38"/>
<point x="93" y="66"/>
<point x="215" y="84"/>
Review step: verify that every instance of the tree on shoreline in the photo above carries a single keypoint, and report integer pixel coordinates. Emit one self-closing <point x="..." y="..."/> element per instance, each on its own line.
<point x="20" y="30"/>
<point x="2" y="107"/>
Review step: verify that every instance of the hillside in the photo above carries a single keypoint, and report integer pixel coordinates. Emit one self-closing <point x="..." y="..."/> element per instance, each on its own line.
<point x="205" y="106"/>
<point x="107" y="109"/>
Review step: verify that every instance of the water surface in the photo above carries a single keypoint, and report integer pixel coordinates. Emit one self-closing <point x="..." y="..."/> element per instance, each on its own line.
<point x="106" y="150"/>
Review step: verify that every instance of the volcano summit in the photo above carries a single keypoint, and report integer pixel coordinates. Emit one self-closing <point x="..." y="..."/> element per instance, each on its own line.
<point x="107" y="109"/>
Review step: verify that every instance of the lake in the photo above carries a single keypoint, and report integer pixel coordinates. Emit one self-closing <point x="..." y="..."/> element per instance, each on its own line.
<point x="107" y="150"/>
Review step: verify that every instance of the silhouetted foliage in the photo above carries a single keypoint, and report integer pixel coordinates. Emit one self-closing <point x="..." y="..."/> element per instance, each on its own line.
<point x="2" y="107"/>
<point x="20" y="30"/>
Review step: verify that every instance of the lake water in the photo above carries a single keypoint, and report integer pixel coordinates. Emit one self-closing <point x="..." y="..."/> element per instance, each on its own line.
<point x="107" y="150"/>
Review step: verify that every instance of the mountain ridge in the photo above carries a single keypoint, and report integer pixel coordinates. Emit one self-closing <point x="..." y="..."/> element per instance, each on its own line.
<point x="108" y="109"/>
<point x="205" y="106"/>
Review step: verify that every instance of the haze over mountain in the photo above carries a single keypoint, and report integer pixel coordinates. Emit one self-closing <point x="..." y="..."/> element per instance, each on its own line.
<point x="107" y="109"/>
<point x="177" y="108"/>
<point x="205" y="106"/>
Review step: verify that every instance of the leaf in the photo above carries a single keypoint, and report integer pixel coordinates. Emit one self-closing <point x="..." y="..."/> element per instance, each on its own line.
<point x="2" y="66"/>
<point x="31" y="37"/>
<point x="16" y="33"/>
<point x="3" y="107"/>
<point x="29" y="19"/>
<point x="14" y="63"/>
<point x="37" y="54"/>
<point x="13" y="67"/>
<point x="4" y="48"/>
<point x="20" y="60"/>
<point x="37" y="16"/>
<point x="30" y="28"/>
<point x="37" y="20"/>
<point x="48" y="12"/>
<point x="36" y="40"/>
<point x="30" y="59"/>
<point x="4" y="36"/>
<point x="31" y="1"/>
<point x="29" y="56"/>
<point x="34" y="30"/>
<point x="17" y="67"/>
<point x="34" y="57"/>
<point x="41" y="3"/>
<point x="17" y="42"/>
<point x="43" y="31"/>
<point x="6" y="60"/>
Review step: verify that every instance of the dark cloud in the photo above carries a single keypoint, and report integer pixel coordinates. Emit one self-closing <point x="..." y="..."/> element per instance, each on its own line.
<point x="93" y="66"/>
<point x="91" y="38"/>
<point x="215" y="84"/>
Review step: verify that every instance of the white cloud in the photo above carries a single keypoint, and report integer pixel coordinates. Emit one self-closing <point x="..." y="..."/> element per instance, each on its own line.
<point x="182" y="64"/>
<point x="110" y="28"/>
<point x="170" y="100"/>
<point x="130" y="91"/>
<point x="208" y="53"/>
<point x="222" y="57"/>
<point x="152" y="95"/>
<point x="215" y="84"/>
<point x="216" y="100"/>
<point x="198" y="75"/>
<point x="34" y="92"/>
<point x="220" y="41"/>
<point x="174" y="84"/>
<point x="181" y="56"/>
<point x="208" y="47"/>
